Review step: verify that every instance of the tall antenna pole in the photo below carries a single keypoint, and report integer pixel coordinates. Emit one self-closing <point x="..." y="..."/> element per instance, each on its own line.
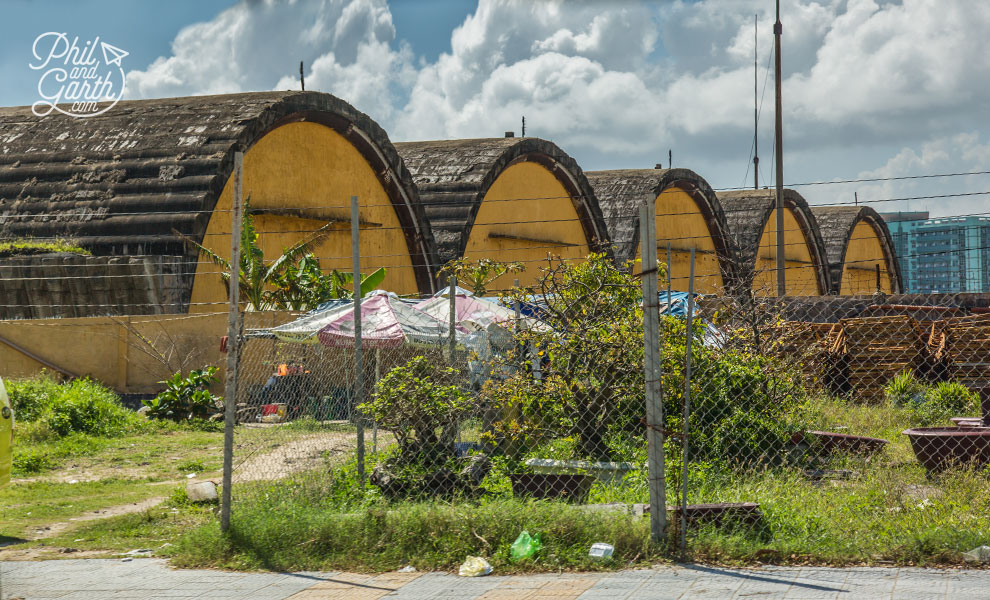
<point x="756" y="113"/>
<point x="781" y="283"/>
<point x="302" y="80"/>
<point x="524" y="127"/>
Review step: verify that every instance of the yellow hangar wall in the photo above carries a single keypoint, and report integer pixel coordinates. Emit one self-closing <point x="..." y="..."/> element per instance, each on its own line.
<point x="300" y="176"/>
<point x="864" y="253"/>
<point x="801" y="277"/>
<point x="681" y="223"/>
<point x="526" y="214"/>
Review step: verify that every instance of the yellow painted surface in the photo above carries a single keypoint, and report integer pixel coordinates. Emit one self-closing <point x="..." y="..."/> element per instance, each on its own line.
<point x="120" y="351"/>
<point x="801" y="276"/>
<point x="681" y="224"/>
<point x="311" y="167"/>
<point x="526" y="215"/>
<point x="863" y="254"/>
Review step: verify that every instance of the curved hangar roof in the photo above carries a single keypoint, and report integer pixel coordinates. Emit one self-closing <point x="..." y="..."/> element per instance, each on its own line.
<point x="857" y="241"/>
<point x="688" y="216"/>
<point x="752" y="224"/>
<point x="125" y="181"/>
<point x="512" y="199"/>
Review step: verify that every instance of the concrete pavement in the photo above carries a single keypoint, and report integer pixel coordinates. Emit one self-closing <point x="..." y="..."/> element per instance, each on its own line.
<point x="145" y="579"/>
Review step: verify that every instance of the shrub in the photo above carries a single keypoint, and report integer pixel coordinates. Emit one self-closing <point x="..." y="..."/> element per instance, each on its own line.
<point x="415" y="404"/>
<point x="944" y="400"/>
<point x="79" y="406"/>
<point x="186" y="398"/>
<point x="904" y="390"/>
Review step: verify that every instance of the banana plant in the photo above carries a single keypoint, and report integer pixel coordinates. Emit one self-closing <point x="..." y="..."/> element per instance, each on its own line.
<point x="256" y="278"/>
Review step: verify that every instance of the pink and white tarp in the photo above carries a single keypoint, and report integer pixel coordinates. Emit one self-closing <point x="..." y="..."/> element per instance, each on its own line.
<point x="386" y="322"/>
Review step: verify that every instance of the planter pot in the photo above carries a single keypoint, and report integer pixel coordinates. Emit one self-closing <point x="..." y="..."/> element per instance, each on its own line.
<point x="939" y="448"/>
<point x="607" y="472"/>
<point x="830" y="442"/>
<point x="967" y="421"/>
<point x="552" y="486"/>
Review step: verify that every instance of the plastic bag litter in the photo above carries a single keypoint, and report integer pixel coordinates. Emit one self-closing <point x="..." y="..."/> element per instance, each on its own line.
<point x="601" y="550"/>
<point x="980" y="554"/>
<point x="474" y="566"/>
<point x="525" y="546"/>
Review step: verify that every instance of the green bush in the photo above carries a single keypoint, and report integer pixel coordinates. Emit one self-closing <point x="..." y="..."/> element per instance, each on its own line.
<point x="944" y="400"/>
<point x="79" y="406"/>
<point x="416" y="403"/>
<point x="904" y="390"/>
<point x="186" y="398"/>
<point x="930" y="404"/>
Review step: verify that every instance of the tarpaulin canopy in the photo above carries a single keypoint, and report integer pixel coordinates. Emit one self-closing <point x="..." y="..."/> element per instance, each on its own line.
<point x="472" y="313"/>
<point x="386" y="322"/>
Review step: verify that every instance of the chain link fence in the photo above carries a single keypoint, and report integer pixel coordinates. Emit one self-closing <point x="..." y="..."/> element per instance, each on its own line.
<point x="768" y="409"/>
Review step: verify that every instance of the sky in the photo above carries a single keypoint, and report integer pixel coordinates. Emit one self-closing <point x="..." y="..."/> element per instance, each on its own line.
<point x="872" y="89"/>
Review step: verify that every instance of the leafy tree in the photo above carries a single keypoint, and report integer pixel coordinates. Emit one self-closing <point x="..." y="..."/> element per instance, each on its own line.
<point x="478" y="274"/>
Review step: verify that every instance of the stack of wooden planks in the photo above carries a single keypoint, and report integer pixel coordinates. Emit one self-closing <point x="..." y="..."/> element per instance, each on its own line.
<point x="805" y="343"/>
<point x="962" y="345"/>
<point x="876" y="349"/>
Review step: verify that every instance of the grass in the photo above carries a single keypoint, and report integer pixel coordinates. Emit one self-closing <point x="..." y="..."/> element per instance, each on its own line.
<point x="886" y="511"/>
<point x="27" y="247"/>
<point x="36" y="504"/>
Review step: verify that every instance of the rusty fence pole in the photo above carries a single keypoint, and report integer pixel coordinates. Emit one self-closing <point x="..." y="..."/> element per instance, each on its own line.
<point x="359" y="390"/>
<point x="651" y="366"/>
<point x="233" y="343"/>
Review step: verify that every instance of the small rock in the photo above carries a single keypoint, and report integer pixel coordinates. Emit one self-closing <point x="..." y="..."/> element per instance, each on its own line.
<point x="980" y="554"/>
<point x="201" y="491"/>
<point x="190" y="475"/>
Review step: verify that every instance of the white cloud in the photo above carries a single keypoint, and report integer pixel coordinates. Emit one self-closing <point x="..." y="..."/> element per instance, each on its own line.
<point x="252" y="46"/>
<point x="884" y="86"/>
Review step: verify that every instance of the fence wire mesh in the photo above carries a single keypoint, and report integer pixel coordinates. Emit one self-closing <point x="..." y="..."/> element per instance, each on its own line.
<point x="538" y="392"/>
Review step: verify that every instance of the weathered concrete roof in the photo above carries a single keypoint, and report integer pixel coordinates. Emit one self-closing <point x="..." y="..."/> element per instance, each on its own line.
<point x="837" y="223"/>
<point x="747" y="213"/>
<point x="620" y="193"/>
<point x="120" y="182"/>
<point x="453" y="176"/>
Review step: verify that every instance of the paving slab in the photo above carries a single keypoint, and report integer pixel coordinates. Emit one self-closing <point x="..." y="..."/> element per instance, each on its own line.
<point x="149" y="579"/>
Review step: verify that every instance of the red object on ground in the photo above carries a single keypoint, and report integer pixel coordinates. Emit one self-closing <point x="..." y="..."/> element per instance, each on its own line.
<point x="269" y="409"/>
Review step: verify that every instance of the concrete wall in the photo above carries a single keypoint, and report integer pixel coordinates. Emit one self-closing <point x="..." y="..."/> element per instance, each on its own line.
<point x="130" y="354"/>
<point x="74" y="285"/>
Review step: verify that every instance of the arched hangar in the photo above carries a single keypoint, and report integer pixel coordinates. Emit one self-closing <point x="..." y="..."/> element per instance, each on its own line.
<point x="860" y="250"/>
<point x="508" y="199"/>
<point x="688" y="216"/>
<point x="130" y="181"/>
<point x="752" y="223"/>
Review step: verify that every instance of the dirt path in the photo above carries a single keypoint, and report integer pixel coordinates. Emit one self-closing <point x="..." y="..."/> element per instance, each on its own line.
<point x="301" y="454"/>
<point x="55" y="529"/>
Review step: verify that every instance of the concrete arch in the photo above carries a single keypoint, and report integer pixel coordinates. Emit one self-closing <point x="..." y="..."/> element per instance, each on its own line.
<point x="512" y="199"/>
<point x="689" y="215"/>
<point x="751" y="219"/>
<point x="857" y="242"/>
<point x="125" y="182"/>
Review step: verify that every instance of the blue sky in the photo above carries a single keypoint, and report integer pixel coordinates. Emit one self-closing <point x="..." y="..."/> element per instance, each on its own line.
<point x="872" y="88"/>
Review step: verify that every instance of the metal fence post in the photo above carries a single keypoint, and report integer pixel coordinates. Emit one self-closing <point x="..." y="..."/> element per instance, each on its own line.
<point x="451" y="296"/>
<point x="233" y="343"/>
<point x="358" y="363"/>
<point x="651" y="360"/>
<point x="688" y="334"/>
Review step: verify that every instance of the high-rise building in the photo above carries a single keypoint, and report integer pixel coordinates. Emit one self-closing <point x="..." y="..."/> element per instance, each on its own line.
<point x="941" y="255"/>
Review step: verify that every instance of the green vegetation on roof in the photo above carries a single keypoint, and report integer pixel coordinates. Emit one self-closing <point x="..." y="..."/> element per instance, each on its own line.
<point x="29" y="247"/>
